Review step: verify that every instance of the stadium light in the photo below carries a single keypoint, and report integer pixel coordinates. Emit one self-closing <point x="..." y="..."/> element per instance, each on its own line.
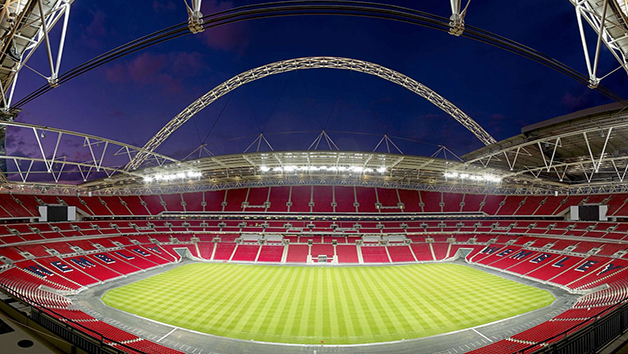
<point x="167" y="177"/>
<point x="310" y="168"/>
<point x="471" y="177"/>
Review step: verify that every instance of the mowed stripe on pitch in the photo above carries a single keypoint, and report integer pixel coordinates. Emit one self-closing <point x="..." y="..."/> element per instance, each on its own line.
<point x="336" y="305"/>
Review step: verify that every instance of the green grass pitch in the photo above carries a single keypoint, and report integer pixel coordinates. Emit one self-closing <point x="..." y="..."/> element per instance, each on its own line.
<point x="337" y="305"/>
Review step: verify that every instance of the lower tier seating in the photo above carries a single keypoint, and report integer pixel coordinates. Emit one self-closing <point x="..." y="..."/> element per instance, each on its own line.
<point x="271" y="253"/>
<point x="347" y="254"/>
<point x="374" y="254"/>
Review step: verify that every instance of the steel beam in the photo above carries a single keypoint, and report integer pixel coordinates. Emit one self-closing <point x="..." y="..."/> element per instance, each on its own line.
<point x="608" y="18"/>
<point x="32" y="26"/>
<point x="195" y="17"/>
<point x="456" y="22"/>
<point x="102" y="155"/>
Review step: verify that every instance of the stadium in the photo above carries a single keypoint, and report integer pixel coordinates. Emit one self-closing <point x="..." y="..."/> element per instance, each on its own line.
<point x="364" y="234"/>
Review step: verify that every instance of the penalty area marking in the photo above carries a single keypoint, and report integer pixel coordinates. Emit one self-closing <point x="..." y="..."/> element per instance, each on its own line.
<point x="167" y="334"/>
<point x="474" y="330"/>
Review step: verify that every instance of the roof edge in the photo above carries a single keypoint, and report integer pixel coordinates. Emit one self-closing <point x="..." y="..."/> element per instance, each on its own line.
<point x="577" y="115"/>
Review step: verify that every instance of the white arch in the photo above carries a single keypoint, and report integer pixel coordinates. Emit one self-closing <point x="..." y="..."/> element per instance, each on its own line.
<point x="309" y="63"/>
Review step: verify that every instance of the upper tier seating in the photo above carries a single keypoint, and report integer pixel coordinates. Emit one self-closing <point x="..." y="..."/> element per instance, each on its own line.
<point x="135" y="205"/>
<point x="173" y="202"/>
<point x="345" y="199"/>
<point x="300" y="197"/>
<point x="388" y="200"/>
<point x="256" y="199"/>
<point x="234" y="199"/>
<point x="279" y="197"/>
<point x="312" y="199"/>
<point x="12" y="208"/>
<point x="366" y="200"/>
<point x="154" y="204"/>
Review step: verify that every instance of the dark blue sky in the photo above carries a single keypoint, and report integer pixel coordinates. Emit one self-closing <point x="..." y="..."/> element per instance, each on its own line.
<point x="131" y="98"/>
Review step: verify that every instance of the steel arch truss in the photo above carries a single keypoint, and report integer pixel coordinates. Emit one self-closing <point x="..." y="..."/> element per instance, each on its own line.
<point x="309" y="63"/>
<point x="39" y="155"/>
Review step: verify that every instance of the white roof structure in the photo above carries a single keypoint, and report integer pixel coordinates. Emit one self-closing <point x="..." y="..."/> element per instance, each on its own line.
<point x="580" y="153"/>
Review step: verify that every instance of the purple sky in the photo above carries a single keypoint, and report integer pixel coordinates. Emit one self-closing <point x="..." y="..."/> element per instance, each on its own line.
<point x="131" y="98"/>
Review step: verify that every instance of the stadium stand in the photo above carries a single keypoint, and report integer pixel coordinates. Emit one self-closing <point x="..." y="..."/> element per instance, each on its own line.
<point x="400" y="253"/>
<point x="300" y="198"/>
<point x="214" y="200"/>
<point x="153" y="203"/>
<point x="72" y="255"/>
<point x="344" y="197"/>
<point x="472" y="202"/>
<point x="410" y="200"/>
<point x="235" y="199"/>
<point x="297" y="253"/>
<point x="432" y="202"/>
<point x="257" y="198"/>
<point x="375" y="254"/>
<point x="422" y="251"/>
<point x="322" y="198"/>
<point x="245" y="253"/>
<point x="560" y="269"/>
<point x="388" y="200"/>
<point x="270" y="253"/>
<point x="224" y="251"/>
<point x="440" y="250"/>
<point x="173" y="202"/>
<point x="322" y="249"/>
<point x="314" y="199"/>
<point x="366" y="199"/>
<point x="347" y="254"/>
